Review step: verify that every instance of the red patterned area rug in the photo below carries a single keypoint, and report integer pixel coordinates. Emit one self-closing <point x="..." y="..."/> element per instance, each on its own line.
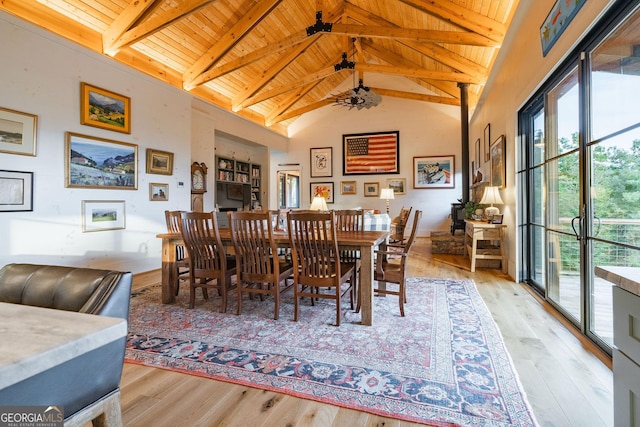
<point x="443" y="364"/>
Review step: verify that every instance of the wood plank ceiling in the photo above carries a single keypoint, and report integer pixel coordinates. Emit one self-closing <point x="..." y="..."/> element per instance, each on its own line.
<point x="273" y="60"/>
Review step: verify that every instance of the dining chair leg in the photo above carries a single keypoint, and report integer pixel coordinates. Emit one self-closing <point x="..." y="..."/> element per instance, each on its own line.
<point x="192" y="296"/>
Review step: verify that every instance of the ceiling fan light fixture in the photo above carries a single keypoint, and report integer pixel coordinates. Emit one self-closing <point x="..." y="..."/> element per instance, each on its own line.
<point x="359" y="97"/>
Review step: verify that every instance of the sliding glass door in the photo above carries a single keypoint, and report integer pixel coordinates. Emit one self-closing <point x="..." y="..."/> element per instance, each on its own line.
<point x="579" y="174"/>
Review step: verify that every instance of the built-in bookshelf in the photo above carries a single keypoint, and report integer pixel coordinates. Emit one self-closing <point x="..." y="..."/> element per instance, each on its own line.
<point x="232" y="172"/>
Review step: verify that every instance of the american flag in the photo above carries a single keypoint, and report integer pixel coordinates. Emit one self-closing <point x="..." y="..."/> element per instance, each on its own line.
<point x="373" y="153"/>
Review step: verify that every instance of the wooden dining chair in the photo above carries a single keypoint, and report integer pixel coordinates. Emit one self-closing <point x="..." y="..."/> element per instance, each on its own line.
<point x="398" y="225"/>
<point x="394" y="271"/>
<point x="318" y="272"/>
<point x="209" y="265"/>
<point x="350" y="220"/>
<point x="260" y="270"/>
<point x="173" y="219"/>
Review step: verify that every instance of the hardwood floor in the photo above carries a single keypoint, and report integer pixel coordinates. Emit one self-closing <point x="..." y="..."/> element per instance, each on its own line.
<point x="568" y="381"/>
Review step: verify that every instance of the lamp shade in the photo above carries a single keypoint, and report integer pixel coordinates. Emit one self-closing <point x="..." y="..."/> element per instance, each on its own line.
<point x="387" y="194"/>
<point x="491" y="195"/>
<point x="318" y="204"/>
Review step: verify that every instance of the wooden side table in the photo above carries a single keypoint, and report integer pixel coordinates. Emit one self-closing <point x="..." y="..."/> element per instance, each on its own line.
<point x="476" y="231"/>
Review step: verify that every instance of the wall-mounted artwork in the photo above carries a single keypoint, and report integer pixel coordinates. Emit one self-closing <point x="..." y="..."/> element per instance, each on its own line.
<point x="158" y="192"/>
<point x="323" y="189"/>
<point x="104" y="109"/>
<point x="348" y="187"/>
<point x="159" y="162"/>
<point x="561" y="14"/>
<point x="399" y="185"/>
<point x="434" y="172"/>
<point x="100" y="163"/>
<point x="371" y="153"/>
<point x="321" y="162"/>
<point x="16" y="191"/>
<point x="18" y="132"/>
<point x="101" y="215"/>
<point x="498" y="164"/>
<point x="371" y="189"/>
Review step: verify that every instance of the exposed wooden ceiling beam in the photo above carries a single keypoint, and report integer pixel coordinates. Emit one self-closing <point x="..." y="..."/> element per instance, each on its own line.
<point x="241" y="27"/>
<point x="290" y="100"/>
<point x="122" y="32"/>
<point x="417" y="72"/>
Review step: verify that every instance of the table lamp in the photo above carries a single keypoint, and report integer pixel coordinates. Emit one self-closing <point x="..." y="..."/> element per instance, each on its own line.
<point x="318" y="204"/>
<point x="387" y="194"/>
<point x="491" y="195"/>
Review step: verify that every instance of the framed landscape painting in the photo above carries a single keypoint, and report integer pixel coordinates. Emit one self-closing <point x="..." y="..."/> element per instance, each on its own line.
<point x="104" y="109"/>
<point x="17" y="132"/>
<point x="16" y="191"/>
<point x="100" y="163"/>
<point x="101" y="215"/>
<point x="158" y="192"/>
<point x="371" y="189"/>
<point x="348" y="187"/>
<point x="399" y="185"/>
<point x="159" y="162"/>
<point x="498" y="164"/>
<point x="433" y="172"/>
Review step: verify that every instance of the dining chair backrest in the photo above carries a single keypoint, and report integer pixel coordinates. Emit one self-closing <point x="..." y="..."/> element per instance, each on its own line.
<point x="349" y="219"/>
<point x="314" y="247"/>
<point x="173" y="219"/>
<point x="398" y="225"/>
<point x="202" y="239"/>
<point x="255" y="248"/>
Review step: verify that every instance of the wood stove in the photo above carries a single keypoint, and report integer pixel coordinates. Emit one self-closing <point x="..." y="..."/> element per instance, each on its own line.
<point x="457" y="217"/>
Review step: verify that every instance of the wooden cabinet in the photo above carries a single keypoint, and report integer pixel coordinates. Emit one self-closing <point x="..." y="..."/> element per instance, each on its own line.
<point x="239" y="183"/>
<point x="485" y="241"/>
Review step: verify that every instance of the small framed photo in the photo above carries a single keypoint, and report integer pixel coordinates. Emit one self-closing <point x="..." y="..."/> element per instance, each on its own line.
<point x="17" y="132"/>
<point x="399" y="185"/>
<point x="100" y="163"/>
<point x="324" y="189"/>
<point x="348" y="187"/>
<point x="158" y="192"/>
<point x="498" y="164"/>
<point x="371" y="189"/>
<point x="322" y="162"/>
<point x="16" y="191"/>
<point x="159" y="162"/>
<point x="104" y="109"/>
<point x="433" y="172"/>
<point x="496" y="219"/>
<point x="101" y="215"/>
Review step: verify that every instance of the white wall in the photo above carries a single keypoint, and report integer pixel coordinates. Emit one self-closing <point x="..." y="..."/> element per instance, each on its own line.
<point x="518" y="72"/>
<point x="425" y="130"/>
<point x="41" y="75"/>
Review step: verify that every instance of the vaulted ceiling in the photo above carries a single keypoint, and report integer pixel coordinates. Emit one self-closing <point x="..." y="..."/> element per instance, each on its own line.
<point x="274" y="60"/>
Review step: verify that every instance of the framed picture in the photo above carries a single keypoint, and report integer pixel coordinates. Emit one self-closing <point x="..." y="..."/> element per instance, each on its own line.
<point x="235" y="192"/>
<point x="321" y="162"/>
<point x="371" y="153"/>
<point x="348" y="187"/>
<point x="324" y="189"/>
<point x="498" y="164"/>
<point x="101" y="215"/>
<point x="552" y="27"/>
<point x="434" y="172"/>
<point x="103" y="109"/>
<point x="399" y="185"/>
<point x="17" y="132"/>
<point x="477" y="157"/>
<point x="16" y="191"/>
<point x="487" y="141"/>
<point x="100" y="163"/>
<point x="158" y="192"/>
<point x="159" y="162"/>
<point x="371" y="189"/>
<point x="496" y="219"/>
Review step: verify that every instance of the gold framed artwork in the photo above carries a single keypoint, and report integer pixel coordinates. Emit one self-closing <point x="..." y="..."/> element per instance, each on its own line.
<point x="104" y="109"/>
<point x="18" y="132"/>
<point x="159" y="162"/>
<point x="158" y="192"/>
<point x="92" y="162"/>
<point x="399" y="185"/>
<point x="348" y="187"/>
<point x="371" y="189"/>
<point x="101" y="215"/>
<point x="324" y="189"/>
<point x="498" y="164"/>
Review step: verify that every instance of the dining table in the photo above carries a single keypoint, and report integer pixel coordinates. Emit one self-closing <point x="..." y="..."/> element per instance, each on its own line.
<point x="365" y="241"/>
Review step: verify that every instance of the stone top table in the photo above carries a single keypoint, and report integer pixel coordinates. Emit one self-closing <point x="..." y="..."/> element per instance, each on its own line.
<point x="35" y="339"/>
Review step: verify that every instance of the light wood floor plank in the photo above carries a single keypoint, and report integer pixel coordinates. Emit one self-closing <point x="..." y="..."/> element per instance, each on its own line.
<point x="567" y="379"/>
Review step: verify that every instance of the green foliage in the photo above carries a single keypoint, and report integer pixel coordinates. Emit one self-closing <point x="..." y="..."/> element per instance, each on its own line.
<point x="470" y="209"/>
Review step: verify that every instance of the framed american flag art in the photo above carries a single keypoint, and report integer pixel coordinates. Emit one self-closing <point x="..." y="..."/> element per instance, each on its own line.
<point x="371" y="153"/>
